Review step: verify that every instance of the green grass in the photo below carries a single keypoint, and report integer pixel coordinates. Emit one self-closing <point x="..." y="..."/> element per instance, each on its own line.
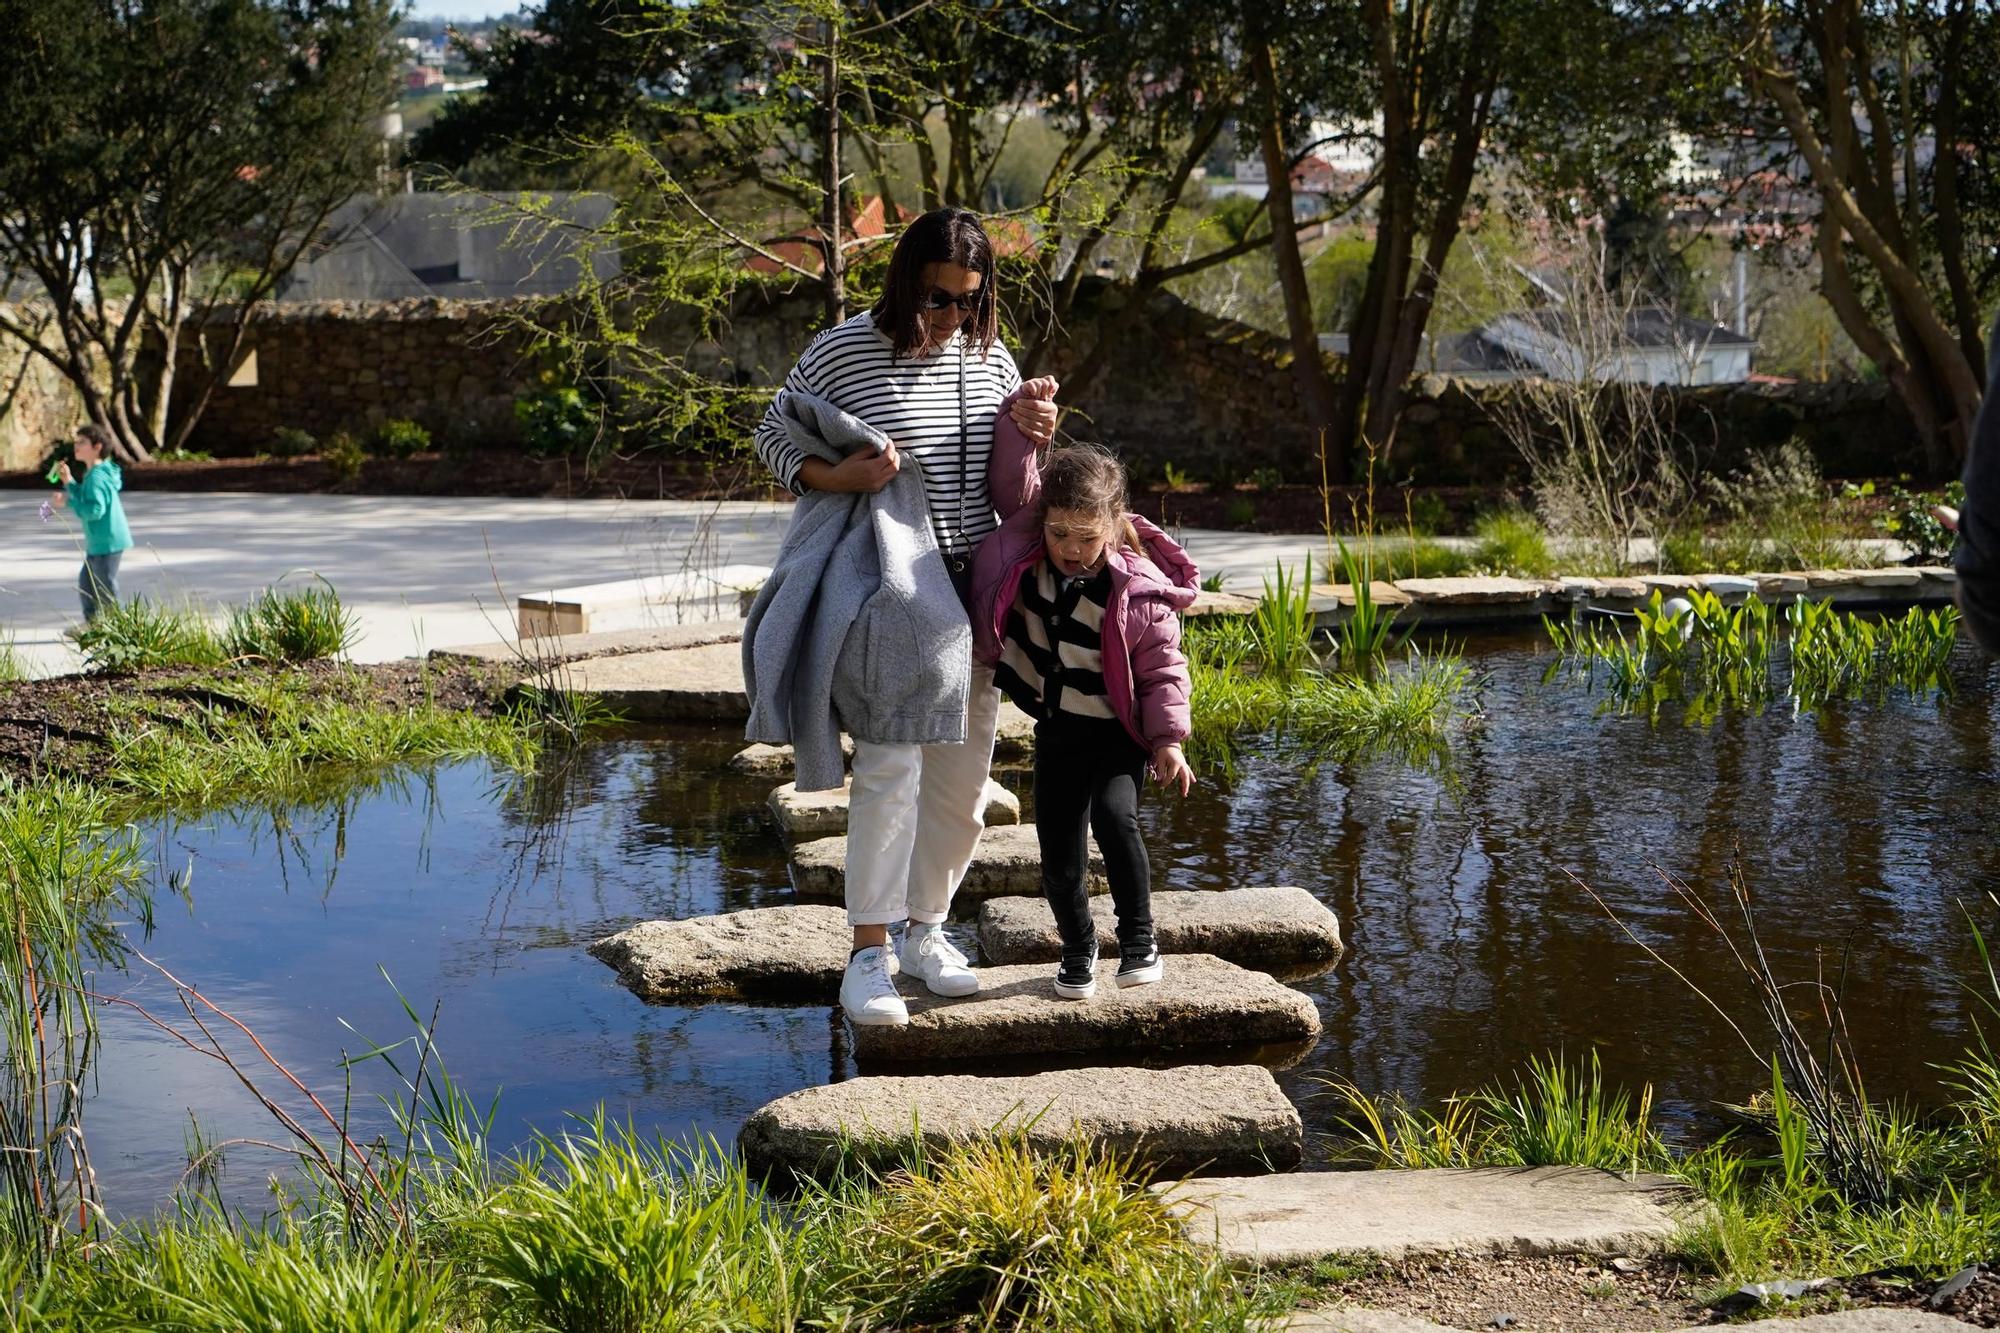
<point x="142" y="635"/>
<point x="291" y="625"/>
<point x="1511" y="541"/>
<point x="12" y="665"/>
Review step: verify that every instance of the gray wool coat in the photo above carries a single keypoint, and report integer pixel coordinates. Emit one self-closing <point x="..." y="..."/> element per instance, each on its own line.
<point x="858" y="627"/>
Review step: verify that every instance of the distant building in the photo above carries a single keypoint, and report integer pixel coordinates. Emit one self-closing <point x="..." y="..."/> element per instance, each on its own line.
<point x="1655" y="346"/>
<point x="866" y="221"/>
<point x="448" y="245"/>
<point x="423" y="79"/>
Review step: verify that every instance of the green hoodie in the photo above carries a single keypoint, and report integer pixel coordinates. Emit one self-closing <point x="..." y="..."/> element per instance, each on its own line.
<point x="95" y="502"/>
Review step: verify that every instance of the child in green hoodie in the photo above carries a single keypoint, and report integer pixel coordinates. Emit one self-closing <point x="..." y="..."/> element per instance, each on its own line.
<point x="106" y="538"/>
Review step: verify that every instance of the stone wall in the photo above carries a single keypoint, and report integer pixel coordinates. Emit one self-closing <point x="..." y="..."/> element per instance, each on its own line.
<point x="1212" y="397"/>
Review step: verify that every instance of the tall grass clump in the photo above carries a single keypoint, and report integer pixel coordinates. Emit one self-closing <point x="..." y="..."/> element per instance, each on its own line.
<point x="995" y="1234"/>
<point x="1281" y="628"/>
<point x="284" y="625"/>
<point x="1409" y="711"/>
<point x="1512" y="541"/>
<point x="141" y="635"/>
<point x="13" y="666"/>
<point x="67" y="865"/>
<point x="1367" y="633"/>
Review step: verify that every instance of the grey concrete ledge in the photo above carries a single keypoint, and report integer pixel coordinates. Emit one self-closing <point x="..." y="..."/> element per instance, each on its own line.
<point x="1277" y="929"/>
<point x="1195" y="1118"/>
<point x="794" y="952"/>
<point x="1008" y="861"/>
<point x="1202" y="1002"/>
<point x="703" y="684"/>
<point x="823" y="814"/>
<point x="1297" y="1219"/>
<point x="574" y="647"/>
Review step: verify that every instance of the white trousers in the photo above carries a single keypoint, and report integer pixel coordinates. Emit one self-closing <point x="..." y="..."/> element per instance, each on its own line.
<point x="914" y="815"/>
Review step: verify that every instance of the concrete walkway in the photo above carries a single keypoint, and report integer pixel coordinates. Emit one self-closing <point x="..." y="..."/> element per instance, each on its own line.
<point x="421" y="573"/>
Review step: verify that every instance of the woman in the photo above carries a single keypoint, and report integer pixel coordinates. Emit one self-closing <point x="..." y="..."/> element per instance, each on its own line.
<point x="924" y="367"/>
<point x="94" y="500"/>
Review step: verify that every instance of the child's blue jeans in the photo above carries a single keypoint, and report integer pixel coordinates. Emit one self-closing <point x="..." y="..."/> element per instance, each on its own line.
<point x="97" y="583"/>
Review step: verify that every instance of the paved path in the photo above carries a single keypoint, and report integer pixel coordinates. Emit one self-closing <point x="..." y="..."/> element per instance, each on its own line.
<point x="421" y="572"/>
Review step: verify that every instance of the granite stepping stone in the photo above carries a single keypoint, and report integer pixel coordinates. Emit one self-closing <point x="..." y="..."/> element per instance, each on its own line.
<point x="1007" y="862"/>
<point x="822" y="814"/>
<point x="703" y="684"/>
<point x="1013" y="737"/>
<point x="1202" y="1002"/>
<point x="1195" y="1118"/>
<point x="1304" y="1217"/>
<point x="1282" y="928"/>
<point x="796" y="952"/>
<point x="1484" y="591"/>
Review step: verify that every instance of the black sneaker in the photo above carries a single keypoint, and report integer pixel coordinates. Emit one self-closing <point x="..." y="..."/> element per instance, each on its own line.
<point x="1077" y="978"/>
<point x="1139" y="964"/>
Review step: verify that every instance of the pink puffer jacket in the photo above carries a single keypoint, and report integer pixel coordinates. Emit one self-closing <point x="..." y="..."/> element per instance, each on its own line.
<point x="1145" y="674"/>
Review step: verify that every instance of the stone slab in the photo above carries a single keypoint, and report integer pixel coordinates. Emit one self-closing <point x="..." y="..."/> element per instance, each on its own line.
<point x="771" y="761"/>
<point x="1195" y="1118"/>
<point x="1207" y="603"/>
<point x="1014" y="735"/>
<point x="1342" y="594"/>
<point x="1265" y="929"/>
<point x="823" y="814"/>
<point x="1486" y="591"/>
<point x="568" y="647"/>
<point x="1888" y="578"/>
<point x="1008" y="861"/>
<point x="1362" y="1320"/>
<point x="702" y="684"/>
<point x="1773" y="586"/>
<point x="1202" y="1001"/>
<point x="1297" y="1219"/>
<point x="796" y="952"/>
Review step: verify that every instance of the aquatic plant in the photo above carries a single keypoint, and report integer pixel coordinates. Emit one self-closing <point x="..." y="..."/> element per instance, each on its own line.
<point x="1282" y="625"/>
<point x="1367" y="634"/>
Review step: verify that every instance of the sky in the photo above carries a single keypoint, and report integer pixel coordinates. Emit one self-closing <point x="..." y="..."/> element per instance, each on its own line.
<point x="462" y="9"/>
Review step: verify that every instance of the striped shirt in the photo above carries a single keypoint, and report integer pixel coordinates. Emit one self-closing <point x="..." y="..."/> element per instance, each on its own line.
<point x="914" y="400"/>
<point x="1052" y="650"/>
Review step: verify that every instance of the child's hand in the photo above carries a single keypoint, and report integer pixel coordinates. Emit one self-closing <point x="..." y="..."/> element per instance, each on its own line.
<point x="1035" y="410"/>
<point x="1042" y="388"/>
<point x="63" y="468"/>
<point x="1170" y="767"/>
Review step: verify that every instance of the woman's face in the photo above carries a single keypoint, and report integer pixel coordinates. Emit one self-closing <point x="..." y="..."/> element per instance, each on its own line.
<point x="947" y="300"/>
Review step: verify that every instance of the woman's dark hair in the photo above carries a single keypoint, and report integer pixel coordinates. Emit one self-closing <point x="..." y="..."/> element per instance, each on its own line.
<point x="1087" y="479"/>
<point x="941" y="236"/>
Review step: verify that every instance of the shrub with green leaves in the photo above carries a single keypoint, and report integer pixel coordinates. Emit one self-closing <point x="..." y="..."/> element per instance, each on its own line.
<point x="292" y="625"/>
<point x="557" y="422"/>
<point x="344" y="457"/>
<point x="1511" y="541"/>
<point x="291" y="442"/>
<point x="140" y="635"/>
<point x="401" y="438"/>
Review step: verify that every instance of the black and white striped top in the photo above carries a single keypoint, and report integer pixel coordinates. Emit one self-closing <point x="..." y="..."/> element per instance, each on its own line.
<point x="1052" y="650"/>
<point x="914" y="401"/>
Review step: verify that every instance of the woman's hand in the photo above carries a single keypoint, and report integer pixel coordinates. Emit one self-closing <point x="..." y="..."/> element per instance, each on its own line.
<point x="1170" y="767"/>
<point x="858" y="473"/>
<point x="1035" y="411"/>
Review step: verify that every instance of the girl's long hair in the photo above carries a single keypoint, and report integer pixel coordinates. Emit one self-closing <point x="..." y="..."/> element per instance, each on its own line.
<point x="1088" y="479"/>
<point x="941" y="236"/>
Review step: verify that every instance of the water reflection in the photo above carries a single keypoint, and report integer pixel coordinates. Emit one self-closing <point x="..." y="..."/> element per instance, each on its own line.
<point x="1470" y="946"/>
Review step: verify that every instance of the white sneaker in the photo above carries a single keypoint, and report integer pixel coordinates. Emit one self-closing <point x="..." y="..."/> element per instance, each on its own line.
<point x="936" y="961"/>
<point x="867" y="994"/>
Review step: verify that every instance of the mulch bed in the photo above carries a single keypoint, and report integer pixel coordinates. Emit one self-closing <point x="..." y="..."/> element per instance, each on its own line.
<point x="61" y="726"/>
<point x="1624" y="1296"/>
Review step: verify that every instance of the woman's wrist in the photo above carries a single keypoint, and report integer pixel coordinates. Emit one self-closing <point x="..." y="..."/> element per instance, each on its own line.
<point x="816" y="474"/>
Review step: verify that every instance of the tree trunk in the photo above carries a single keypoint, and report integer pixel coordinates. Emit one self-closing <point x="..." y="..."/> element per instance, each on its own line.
<point x="1315" y="386"/>
<point x="835" y="273"/>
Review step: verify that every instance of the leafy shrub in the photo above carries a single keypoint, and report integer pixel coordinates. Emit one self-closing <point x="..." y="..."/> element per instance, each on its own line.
<point x="1425" y="514"/>
<point x="1240" y="512"/>
<point x="291" y="442"/>
<point x="400" y="438"/>
<point x="556" y="422"/>
<point x="1266" y="478"/>
<point x="1910" y="521"/>
<point x="183" y="456"/>
<point x="296" y="625"/>
<point x="140" y="635"/>
<point x="344" y="457"/>
<point x="1510" y="541"/>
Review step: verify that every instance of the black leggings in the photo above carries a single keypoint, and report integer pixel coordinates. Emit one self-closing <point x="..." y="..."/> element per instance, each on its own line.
<point x="1088" y="773"/>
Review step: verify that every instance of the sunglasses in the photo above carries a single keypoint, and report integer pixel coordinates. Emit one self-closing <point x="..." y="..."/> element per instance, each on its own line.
<point x="939" y="299"/>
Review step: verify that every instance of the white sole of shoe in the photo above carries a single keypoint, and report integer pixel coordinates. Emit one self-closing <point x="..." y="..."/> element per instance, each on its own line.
<point x="953" y="990"/>
<point x="1083" y="992"/>
<point x="1145" y="976"/>
<point x="877" y="1020"/>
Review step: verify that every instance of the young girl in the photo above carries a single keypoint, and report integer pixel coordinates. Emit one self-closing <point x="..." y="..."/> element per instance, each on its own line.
<point x="1076" y="604"/>
<point x="94" y="499"/>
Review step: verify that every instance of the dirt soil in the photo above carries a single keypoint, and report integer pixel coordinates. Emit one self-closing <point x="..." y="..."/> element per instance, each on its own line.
<point x="1622" y="1296"/>
<point x="62" y="726"/>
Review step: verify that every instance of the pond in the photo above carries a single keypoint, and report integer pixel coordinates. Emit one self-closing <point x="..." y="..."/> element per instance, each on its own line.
<point x="1861" y="830"/>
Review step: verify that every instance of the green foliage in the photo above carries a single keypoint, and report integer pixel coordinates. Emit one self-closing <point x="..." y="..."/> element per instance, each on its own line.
<point x="599" y="1231"/>
<point x="1366" y="635"/>
<point x="1425" y="514"/>
<point x="557" y="422"/>
<point x="1418" y="558"/>
<point x="1240" y="512"/>
<point x="12" y="665"/>
<point x="400" y="438"/>
<point x="1558" y="1116"/>
<point x="1176" y="476"/>
<point x="344" y="456"/>
<point x="139" y="635"/>
<point x="292" y="625"/>
<point x="1775" y="513"/>
<point x="182" y="456"/>
<point x="291" y="442"/>
<point x="1282" y="626"/>
<point x="1908" y="518"/>
<point x="1510" y="541"/>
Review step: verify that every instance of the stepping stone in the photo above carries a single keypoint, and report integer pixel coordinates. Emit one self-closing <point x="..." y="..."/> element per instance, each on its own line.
<point x="702" y="684"/>
<point x="1207" y="603"/>
<point x="766" y="952"/>
<point x="1014" y="736"/>
<point x="822" y="814"/>
<point x="1255" y="928"/>
<point x="1888" y="578"/>
<point x="1360" y="1319"/>
<point x="1773" y="587"/>
<point x="1202" y="1002"/>
<point x="1008" y="862"/>
<point x="1194" y="1118"/>
<point x="1297" y="1219"/>
<point x="568" y="647"/>
<point x="1492" y="591"/>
